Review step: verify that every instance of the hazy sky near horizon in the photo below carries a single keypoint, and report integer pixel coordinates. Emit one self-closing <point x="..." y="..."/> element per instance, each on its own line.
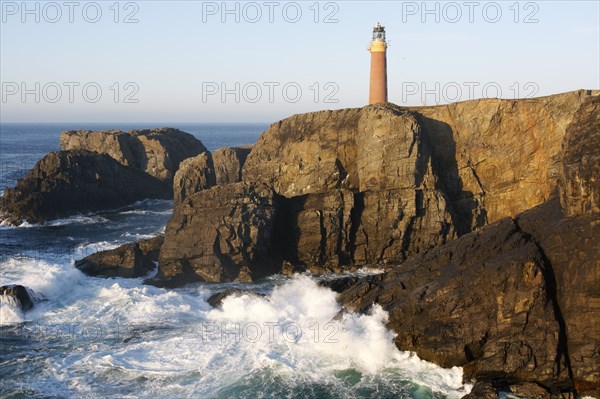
<point x="199" y="61"/>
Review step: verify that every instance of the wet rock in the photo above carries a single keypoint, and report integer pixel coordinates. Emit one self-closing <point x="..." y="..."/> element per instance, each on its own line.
<point x="216" y="300"/>
<point x="530" y="391"/>
<point x="20" y="296"/>
<point x="64" y="183"/>
<point x="339" y="284"/>
<point x="130" y="260"/>
<point x="482" y="390"/>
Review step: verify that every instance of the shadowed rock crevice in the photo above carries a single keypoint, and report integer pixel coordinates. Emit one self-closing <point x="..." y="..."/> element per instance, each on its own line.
<point x="563" y="360"/>
<point x="440" y="152"/>
<point x="355" y="217"/>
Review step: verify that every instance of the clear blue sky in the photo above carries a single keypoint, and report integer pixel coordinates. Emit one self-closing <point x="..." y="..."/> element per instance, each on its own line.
<point x="179" y="50"/>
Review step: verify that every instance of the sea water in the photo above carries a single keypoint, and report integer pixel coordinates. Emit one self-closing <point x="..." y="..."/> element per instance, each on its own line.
<point x="118" y="338"/>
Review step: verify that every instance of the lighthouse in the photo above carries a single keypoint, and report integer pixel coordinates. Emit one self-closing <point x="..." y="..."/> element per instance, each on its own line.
<point x="378" y="82"/>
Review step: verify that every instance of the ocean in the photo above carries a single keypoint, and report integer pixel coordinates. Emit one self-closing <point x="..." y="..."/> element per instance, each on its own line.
<point x="117" y="338"/>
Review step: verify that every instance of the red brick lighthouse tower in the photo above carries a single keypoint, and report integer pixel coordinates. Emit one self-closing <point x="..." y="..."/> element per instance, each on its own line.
<point x="378" y="83"/>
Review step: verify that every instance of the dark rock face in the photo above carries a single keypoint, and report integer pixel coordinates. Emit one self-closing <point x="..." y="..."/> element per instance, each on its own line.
<point x="157" y="152"/>
<point x="502" y="301"/>
<point x="339" y="284"/>
<point x="224" y="233"/>
<point x="229" y="162"/>
<point x="21" y="296"/>
<point x="194" y="174"/>
<point x="64" y="183"/>
<point x="580" y="178"/>
<point x="572" y="247"/>
<point x="470" y="303"/>
<point x="130" y="260"/>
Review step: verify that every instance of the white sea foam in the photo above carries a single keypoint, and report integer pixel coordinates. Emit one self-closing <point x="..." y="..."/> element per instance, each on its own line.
<point x="88" y="248"/>
<point x="146" y="212"/>
<point x="51" y="280"/>
<point x="171" y="343"/>
<point x="77" y="219"/>
<point x="10" y="310"/>
<point x="173" y="334"/>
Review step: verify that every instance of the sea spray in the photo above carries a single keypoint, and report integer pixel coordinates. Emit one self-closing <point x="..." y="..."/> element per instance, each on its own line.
<point x="118" y="337"/>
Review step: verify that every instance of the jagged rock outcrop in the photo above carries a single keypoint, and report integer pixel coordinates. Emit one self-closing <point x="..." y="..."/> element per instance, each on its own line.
<point x="378" y="184"/>
<point x="580" y="172"/>
<point x="157" y="152"/>
<point x="229" y="162"/>
<point x="225" y="233"/>
<point x="194" y="174"/>
<point x="502" y="302"/>
<point x="64" y="183"/>
<point x="134" y="259"/>
<point x="19" y="296"/>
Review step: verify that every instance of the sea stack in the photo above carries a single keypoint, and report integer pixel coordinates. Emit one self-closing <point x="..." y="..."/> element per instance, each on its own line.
<point x="378" y="82"/>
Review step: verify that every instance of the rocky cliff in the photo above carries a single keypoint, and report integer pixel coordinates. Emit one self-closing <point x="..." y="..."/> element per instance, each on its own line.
<point x="580" y="166"/>
<point x="486" y="213"/>
<point x="223" y="166"/>
<point x="99" y="170"/>
<point x="224" y="233"/>
<point x="381" y="183"/>
<point x="194" y="174"/>
<point x="68" y="182"/>
<point x="157" y="152"/>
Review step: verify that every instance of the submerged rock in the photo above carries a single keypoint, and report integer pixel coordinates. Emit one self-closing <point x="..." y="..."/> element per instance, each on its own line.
<point x="64" y="183"/>
<point x="216" y="300"/>
<point x="134" y="259"/>
<point x="19" y="296"/>
<point x="157" y="152"/>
